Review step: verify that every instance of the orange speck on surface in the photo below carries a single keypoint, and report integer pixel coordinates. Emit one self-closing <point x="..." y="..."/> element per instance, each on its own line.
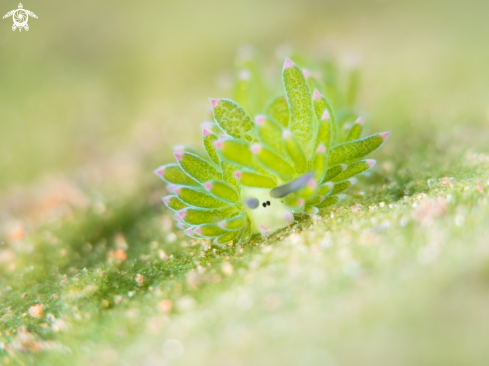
<point x="165" y="306"/>
<point x="35" y="311"/>
<point x="15" y="232"/>
<point x="140" y="279"/>
<point x="119" y="254"/>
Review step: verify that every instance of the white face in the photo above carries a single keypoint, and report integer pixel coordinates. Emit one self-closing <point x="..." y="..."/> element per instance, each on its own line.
<point x="269" y="215"/>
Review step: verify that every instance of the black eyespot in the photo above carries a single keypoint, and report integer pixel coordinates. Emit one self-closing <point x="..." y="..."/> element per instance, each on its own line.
<point x="264" y="204"/>
<point x="268" y="203"/>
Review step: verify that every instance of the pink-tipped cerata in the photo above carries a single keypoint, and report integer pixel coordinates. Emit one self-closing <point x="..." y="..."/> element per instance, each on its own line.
<point x="222" y="224"/>
<point x="237" y="175"/>
<point x="306" y="73"/>
<point x="207" y="125"/>
<point x="286" y="134"/>
<point x="288" y="63"/>
<point x="360" y="120"/>
<point x="214" y="102"/>
<point x="178" y="156"/>
<point x="384" y="135"/>
<point x="208" y="186"/>
<point x="321" y="149"/>
<point x="260" y="120"/>
<point x="159" y="171"/>
<point x="255" y="148"/>
<point x="312" y="184"/>
<point x="325" y="115"/>
<point x="166" y="199"/>
<point x="182" y="213"/>
<point x="218" y="144"/>
<point x="206" y="131"/>
<point x="316" y="94"/>
<point x="370" y="162"/>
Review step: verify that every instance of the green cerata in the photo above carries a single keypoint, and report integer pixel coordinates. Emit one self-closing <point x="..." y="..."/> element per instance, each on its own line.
<point x="258" y="175"/>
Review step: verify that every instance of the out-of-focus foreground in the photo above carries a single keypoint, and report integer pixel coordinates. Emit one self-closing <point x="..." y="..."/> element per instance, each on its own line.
<point x="94" y="95"/>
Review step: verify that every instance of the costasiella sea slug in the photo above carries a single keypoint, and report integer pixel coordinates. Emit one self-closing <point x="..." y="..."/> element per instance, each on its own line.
<point x="259" y="174"/>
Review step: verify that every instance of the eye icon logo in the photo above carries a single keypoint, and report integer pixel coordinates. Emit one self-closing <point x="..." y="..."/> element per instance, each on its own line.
<point x="20" y="17"/>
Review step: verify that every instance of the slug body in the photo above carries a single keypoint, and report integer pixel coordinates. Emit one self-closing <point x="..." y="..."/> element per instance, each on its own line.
<point x="258" y="173"/>
<point x="270" y="215"/>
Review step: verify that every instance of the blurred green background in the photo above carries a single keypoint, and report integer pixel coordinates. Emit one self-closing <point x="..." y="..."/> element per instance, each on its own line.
<point x="98" y="92"/>
<point x="91" y="77"/>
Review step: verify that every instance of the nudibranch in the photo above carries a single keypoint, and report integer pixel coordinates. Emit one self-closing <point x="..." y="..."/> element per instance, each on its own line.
<point x="259" y="174"/>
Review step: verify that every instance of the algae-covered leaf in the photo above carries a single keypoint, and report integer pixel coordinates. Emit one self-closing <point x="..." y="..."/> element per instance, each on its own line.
<point x="355" y="130"/>
<point x="255" y="180"/>
<point x="322" y="192"/>
<point x="295" y="152"/>
<point x="233" y="119"/>
<point x="174" y="203"/>
<point x="325" y="189"/>
<point x="228" y="236"/>
<point x="328" y="129"/>
<point x="272" y="162"/>
<point x="209" y="230"/>
<point x="270" y="133"/>
<point x="357" y="149"/>
<point x="196" y="198"/>
<point x="235" y="151"/>
<point x="333" y="172"/>
<point x="354" y="169"/>
<point x="228" y="175"/>
<point x="197" y="216"/>
<point x="311" y="210"/>
<point x="243" y="89"/>
<point x="173" y="174"/>
<point x="330" y="201"/>
<point x="341" y="186"/>
<point x="234" y="223"/>
<point x="196" y="167"/>
<point x="297" y="204"/>
<point x="320" y="163"/>
<point x="209" y="138"/>
<point x="279" y="110"/>
<point x="301" y="122"/>
<point x="222" y="191"/>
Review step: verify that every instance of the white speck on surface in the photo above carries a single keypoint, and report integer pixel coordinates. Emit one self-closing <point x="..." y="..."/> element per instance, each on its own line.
<point x="326" y="244"/>
<point x="227" y="268"/>
<point x="460" y="220"/>
<point x="352" y="268"/>
<point x="428" y="254"/>
<point x="172" y="349"/>
<point x="170" y="238"/>
<point x="244" y="302"/>
<point x="316" y="275"/>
